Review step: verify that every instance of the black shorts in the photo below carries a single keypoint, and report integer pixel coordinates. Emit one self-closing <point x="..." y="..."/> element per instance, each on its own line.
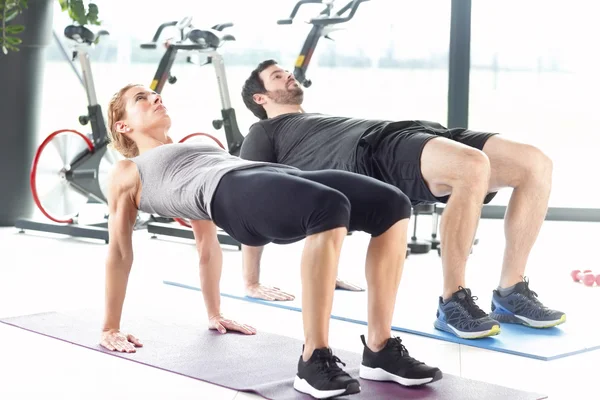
<point x="393" y="155"/>
<point x="260" y="205"/>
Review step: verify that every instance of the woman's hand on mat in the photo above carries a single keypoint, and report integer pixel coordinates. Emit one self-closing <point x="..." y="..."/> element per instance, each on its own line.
<point x="222" y="324"/>
<point x="117" y="341"/>
<point x="269" y="293"/>
<point x="345" y="285"/>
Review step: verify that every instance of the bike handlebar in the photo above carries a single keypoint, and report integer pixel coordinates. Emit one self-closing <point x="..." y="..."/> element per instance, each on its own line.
<point x="299" y="4"/>
<point x="181" y="25"/>
<point x="352" y="5"/>
<point x="338" y="19"/>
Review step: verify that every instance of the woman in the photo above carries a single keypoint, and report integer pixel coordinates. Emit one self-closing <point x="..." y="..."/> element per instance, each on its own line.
<point x="257" y="203"/>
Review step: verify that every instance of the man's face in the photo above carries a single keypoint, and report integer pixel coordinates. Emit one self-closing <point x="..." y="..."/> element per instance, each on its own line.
<point x="281" y="86"/>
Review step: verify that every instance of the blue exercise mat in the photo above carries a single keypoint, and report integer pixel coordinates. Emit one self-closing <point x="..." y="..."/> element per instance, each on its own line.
<point x="577" y="335"/>
<point x="264" y="363"/>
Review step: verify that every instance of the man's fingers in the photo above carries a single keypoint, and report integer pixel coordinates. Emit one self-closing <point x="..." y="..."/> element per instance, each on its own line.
<point x="356" y="288"/>
<point x="348" y="286"/>
<point x="278" y="294"/>
<point x="263" y="294"/>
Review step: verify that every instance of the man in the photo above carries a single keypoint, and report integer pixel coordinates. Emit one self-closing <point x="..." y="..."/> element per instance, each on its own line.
<point x="249" y="200"/>
<point x="429" y="163"/>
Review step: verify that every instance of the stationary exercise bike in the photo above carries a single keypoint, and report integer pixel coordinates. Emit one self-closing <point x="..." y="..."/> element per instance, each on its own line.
<point x="70" y="168"/>
<point x="322" y="26"/>
<point x="206" y="42"/>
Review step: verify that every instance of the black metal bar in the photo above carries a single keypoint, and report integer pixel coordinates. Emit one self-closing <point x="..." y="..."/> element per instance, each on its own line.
<point x="459" y="64"/>
<point x="161" y="76"/>
<point x="85" y="231"/>
<point x="182" y="232"/>
<point x="553" y="214"/>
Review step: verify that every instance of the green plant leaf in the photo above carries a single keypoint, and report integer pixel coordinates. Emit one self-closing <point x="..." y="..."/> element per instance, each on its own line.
<point x="11" y="14"/>
<point x="78" y="11"/>
<point x="64" y="4"/>
<point x="14" y="29"/>
<point x="13" y="40"/>
<point x="92" y="15"/>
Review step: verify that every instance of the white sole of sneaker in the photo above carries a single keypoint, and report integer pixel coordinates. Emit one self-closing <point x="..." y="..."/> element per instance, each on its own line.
<point x="303" y="386"/>
<point x="495" y="330"/>
<point x="378" y="374"/>
<point x="519" y="319"/>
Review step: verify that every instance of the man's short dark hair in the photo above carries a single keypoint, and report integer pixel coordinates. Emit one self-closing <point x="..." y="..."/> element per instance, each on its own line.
<point x="255" y="85"/>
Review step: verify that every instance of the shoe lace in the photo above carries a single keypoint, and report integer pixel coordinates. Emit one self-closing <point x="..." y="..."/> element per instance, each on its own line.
<point x="469" y="303"/>
<point x="328" y="366"/>
<point x="402" y="353"/>
<point x="530" y="294"/>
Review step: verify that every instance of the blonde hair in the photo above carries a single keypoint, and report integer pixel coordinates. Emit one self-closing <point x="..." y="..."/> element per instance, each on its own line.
<point x="116" y="112"/>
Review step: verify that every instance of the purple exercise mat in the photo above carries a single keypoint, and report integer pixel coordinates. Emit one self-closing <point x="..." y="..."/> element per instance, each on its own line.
<point x="264" y="363"/>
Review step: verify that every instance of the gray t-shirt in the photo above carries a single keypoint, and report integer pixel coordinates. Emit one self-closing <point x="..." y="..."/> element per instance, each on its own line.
<point x="309" y="141"/>
<point x="179" y="180"/>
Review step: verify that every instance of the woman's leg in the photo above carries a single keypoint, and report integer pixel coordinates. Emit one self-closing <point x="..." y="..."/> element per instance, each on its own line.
<point x="383" y="211"/>
<point x="257" y="206"/>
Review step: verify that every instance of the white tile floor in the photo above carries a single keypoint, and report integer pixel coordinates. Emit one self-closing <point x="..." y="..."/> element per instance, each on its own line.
<point x="41" y="272"/>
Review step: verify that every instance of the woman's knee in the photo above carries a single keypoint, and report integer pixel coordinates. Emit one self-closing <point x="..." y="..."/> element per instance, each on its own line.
<point x="399" y="206"/>
<point x="388" y="206"/>
<point x="328" y="209"/>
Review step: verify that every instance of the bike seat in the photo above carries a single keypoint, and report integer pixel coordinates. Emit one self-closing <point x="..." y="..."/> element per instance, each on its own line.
<point x="81" y="34"/>
<point x="220" y="27"/>
<point x="209" y="38"/>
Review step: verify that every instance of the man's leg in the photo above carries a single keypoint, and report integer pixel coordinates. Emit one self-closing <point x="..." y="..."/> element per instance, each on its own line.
<point x="463" y="173"/>
<point x="529" y="172"/>
<point x="451" y="168"/>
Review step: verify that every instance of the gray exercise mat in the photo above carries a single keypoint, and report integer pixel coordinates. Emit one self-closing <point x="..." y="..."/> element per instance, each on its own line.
<point x="263" y="363"/>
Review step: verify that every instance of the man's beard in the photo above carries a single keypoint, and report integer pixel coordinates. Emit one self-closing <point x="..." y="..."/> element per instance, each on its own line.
<point x="291" y="96"/>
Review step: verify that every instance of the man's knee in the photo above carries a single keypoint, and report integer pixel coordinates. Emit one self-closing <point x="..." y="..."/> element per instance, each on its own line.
<point x="473" y="169"/>
<point x="537" y="165"/>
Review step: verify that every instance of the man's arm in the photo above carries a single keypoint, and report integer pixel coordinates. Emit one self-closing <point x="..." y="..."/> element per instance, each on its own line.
<point x="257" y="146"/>
<point x="251" y="272"/>
<point x="211" y="264"/>
<point x="251" y="264"/>
<point x="121" y="220"/>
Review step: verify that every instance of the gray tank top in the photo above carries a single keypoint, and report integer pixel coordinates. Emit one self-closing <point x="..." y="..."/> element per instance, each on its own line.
<point x="179" y="180"/>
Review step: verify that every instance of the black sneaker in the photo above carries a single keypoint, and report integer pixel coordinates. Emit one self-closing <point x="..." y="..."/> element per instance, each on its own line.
<point x="393" y="363"/>
<point x="322" y="378"/>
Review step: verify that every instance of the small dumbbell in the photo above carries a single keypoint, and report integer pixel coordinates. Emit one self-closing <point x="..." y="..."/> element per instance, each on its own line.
<point x="587" y="277"/>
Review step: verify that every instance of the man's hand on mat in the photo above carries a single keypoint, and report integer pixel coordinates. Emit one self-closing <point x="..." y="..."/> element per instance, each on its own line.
<point x="222" y="324"/>
<point x="340" y="284"/>
<point x="117" y="341"/>
<point x="259" y="291"/>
